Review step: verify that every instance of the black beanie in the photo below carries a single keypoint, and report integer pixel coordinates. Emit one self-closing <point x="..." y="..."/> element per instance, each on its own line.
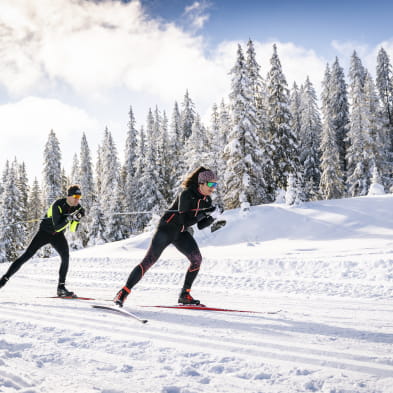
<point x="74" y="190"/>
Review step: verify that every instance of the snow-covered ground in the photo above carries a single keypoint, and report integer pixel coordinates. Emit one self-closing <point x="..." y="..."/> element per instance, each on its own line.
<point x="327" y="265"/>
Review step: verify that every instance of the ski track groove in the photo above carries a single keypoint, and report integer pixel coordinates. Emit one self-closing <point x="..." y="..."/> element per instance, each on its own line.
<point x="237" y="347"/>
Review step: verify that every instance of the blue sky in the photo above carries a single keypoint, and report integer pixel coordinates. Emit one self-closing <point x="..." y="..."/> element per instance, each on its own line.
<point x="77" y="66"/>
<point x="313" y="24"/>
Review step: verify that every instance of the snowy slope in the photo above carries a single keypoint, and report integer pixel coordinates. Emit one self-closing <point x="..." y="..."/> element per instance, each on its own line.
<point x="327" y="265"/>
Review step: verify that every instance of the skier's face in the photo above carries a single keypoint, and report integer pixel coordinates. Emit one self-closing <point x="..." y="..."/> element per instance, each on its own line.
<point x="73" y="200"/>
<point x="208" y="188"/>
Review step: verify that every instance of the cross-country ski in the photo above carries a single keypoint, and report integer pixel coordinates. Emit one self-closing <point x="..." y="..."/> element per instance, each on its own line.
<point x="118" y="310"/>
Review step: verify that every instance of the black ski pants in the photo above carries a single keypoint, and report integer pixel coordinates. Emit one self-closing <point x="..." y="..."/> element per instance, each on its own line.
<point x="164" y="236"/>
<point x="56" y="240"/>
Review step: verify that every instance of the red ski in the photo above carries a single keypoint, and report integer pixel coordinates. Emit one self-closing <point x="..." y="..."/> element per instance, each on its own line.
<point x="202" y="307"/>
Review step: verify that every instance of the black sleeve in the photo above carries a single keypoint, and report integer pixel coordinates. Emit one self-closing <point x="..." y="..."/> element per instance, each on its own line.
<point x="184" y="205"/>
<point x="59" y="219"/>
<point x="205" y="222"/>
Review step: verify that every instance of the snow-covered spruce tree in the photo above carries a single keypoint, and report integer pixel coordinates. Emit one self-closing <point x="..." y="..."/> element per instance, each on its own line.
<point x="24" y="190"/>
<point x="139" y="221"/>
<point x="339" y="110"/>
<point x="163" y="156"/>
<point x="86" y="180"/>
<point x="310" y="140"/>
<point x="216" y="150"/>
<point x="376" y="187"/>
<point x="52" y="174"/>
<point x="12" y="229"/>
<point x="75" y="170"/>
<point x="258" y="93"/>
<point x="176" y="147"/>
<point x="109" y="198"/>
<point x="129" y="166"/>
<point x="357" y="154"/>
<point x="150" y="198"/>
<point x="197" y="147"/>
<point x="187" y="116"/>
<point x="36" y="208"/>
<point x="332" y="179"/>
<point x="376" y="137"/>
<point x="243" y="160"/>
<point x="384" y="82"/>
<point x="282" y="140"/>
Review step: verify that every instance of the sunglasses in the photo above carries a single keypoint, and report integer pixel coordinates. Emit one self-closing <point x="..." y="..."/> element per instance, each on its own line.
<point x="211" y="184"/>
<point x="77" y="196"/>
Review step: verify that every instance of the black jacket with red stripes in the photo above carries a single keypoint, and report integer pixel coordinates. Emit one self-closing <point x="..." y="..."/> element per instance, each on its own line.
<point x="189" y="207"/>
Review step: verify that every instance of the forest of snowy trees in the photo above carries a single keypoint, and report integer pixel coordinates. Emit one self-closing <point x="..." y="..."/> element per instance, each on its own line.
<point x="263" y="140"/>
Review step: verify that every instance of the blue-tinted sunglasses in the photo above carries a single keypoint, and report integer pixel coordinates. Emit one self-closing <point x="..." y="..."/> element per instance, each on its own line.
<point x="212" y="184"/>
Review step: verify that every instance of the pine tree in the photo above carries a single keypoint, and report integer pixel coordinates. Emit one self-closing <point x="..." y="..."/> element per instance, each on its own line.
<point x="242" y="171"/>
<point x="176" y="149"/>
<point x="332" y="180"/>
<point x="12" y="227"/>
<point x="339" y="111"/>
<point x="357" y="154"/>
<point x="36" y="207"/>
<point x="52" y="169"/>
<point x="283" y="142"/>
<point x="258" y="94"/>
<point x="86" y="181"/>
<point x="384" y="84"/>
<point x="187" y="116"/>
<point x="110" y="202"/>
<point x="129" y="167"/>
<point x="310" y="140"/>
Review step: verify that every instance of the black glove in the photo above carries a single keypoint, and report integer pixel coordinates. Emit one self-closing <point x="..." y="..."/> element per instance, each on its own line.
<point x="210" y="209"/>
<point x="205" y="222"/>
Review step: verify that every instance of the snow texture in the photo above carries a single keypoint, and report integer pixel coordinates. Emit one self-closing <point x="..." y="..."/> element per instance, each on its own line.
<point x="327" y="265"/>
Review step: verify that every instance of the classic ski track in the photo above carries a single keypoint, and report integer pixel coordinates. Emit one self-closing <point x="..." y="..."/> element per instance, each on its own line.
<point x="311" y="355"/>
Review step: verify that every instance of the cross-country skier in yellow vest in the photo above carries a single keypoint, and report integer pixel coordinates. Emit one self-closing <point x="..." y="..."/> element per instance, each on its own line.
<point x="62" y="214"/>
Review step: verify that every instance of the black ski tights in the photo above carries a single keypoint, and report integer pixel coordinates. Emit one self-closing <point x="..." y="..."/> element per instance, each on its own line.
<point x="59" y="243"/>
<point x="164" y="236"/>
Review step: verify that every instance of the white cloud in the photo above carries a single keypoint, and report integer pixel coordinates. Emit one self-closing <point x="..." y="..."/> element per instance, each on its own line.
<point x="26" y="125"/>
<point x="109" y="55"/>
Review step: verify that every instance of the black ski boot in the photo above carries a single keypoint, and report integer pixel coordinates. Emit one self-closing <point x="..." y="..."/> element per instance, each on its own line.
<point x="186" y="298"/>
<point x="62" y="291"/>
<point x="121" y="296"/>
<point x="3" y="281"/>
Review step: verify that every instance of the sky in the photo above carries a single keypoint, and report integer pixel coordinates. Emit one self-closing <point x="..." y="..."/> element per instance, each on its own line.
<point x="76" y="66"/>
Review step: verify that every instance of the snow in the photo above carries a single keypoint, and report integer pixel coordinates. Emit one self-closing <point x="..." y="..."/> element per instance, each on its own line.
<point x="327" y="265"/>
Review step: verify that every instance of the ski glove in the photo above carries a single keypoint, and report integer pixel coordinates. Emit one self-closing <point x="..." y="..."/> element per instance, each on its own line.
<point x="205" y="222"/>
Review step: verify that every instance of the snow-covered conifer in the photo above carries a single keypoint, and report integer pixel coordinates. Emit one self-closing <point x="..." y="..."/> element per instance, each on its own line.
<point x="332" y="180"/>
<point x="242" y="172"/>
<point x="187" y="116"/>
<point x="52" y="169"/>
<point x="310" y="140"/>
<point x="339" y="110"/>
<point x="283" y="142"/>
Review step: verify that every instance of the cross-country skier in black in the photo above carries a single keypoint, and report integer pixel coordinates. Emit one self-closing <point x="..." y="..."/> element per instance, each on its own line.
<point x="192" y="206"/>
<point x="63" y="213"/>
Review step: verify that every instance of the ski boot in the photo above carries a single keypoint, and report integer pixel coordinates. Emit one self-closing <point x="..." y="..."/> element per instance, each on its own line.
<point x="121" y="296"/>
<point x="3" y="281"/>
<point x="62" y="291"/>
<point x="185" y="298"/>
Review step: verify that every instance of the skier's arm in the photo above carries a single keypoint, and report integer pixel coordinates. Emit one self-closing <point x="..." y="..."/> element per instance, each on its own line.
<point x="59" y="220"/>
<point x="184" y="207"/>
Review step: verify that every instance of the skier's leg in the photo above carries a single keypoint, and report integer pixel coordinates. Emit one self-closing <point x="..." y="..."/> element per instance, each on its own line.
<point x="40" y="239"/>
<point x="187" y="245"/>
<point x="161" y="239"/>
<point x="60" y="244"/>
